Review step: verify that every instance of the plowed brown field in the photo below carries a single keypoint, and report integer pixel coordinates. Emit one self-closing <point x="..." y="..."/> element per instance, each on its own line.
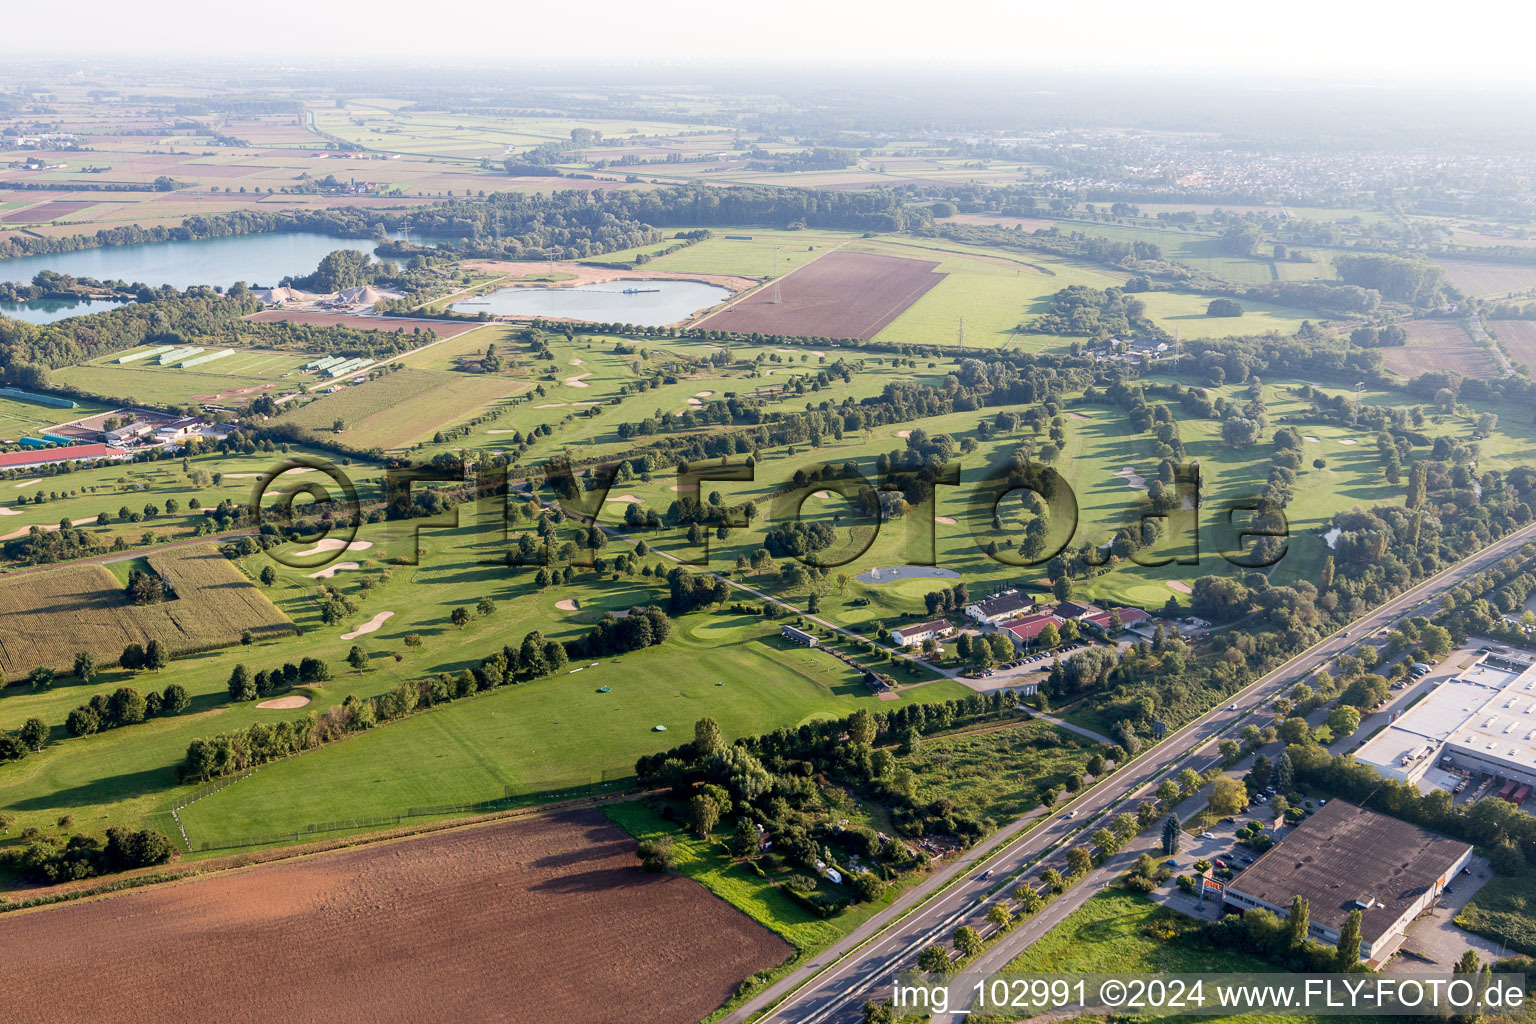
<point x="1519" y="338"/>
<point x="840" y="295"/>
<point x="529" y="922"/>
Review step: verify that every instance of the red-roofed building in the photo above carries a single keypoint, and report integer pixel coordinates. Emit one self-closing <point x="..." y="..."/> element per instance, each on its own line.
<point x="51" y="456"/>
<point x="1025" y="630"/>
<point x="1128" y="617"/>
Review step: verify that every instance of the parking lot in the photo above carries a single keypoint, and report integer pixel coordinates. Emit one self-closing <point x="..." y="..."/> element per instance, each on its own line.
<point x="1433" y="943"/>
<point x="1028" y="669"/>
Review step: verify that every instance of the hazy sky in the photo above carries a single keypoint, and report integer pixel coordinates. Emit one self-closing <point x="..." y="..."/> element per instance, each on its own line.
<point x="1472" y="40"/>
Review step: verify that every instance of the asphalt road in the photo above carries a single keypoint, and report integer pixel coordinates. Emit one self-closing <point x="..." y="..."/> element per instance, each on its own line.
<point x="863" y="964"/>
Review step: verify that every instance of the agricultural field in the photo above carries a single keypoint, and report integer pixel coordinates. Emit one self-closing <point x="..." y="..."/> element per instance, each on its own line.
<point x="1518" y="338"/>
<point x="1489" y="280"/>
<point x="1439" y="345"/>
<point x="571" y="879"/>
<point x="840" y="295"/>
<point x="49" y="614"/>
<point x="399" y="408"/>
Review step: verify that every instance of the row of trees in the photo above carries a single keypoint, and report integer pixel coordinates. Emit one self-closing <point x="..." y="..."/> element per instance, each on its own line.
<point x="245" y="686"/>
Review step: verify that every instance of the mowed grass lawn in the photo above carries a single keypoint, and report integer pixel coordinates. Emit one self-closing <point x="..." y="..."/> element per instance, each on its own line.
<point x="18" y="418"/>
<point x="556" y="732"/>
<point x="162" y="385"/>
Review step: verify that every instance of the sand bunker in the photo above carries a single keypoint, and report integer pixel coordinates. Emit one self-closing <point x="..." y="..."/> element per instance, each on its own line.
<point x="1348" y="440"/>
<point x="702" y="394"/>
<point x="946" y="520"/>
<point x="49" y="528"/>
<point x="628" y="499"/>
<point x="371" y="626"/>
<point x="1076" y="416"/>
<point x="577" y="362"/>
<point x="501" y="431"/>
<point x="568" y="605"/>
<point x="243" y="476"/>
<point x="1134" y="480"/>
<point x="1310" y="439"/>
<point x="550" y="405"/>
<point x="822" y="494"/>
<point x="695" y="403"/>
<point x="1180" y="586"/>
<point x="296" y="700"/>
<point x="578" y="381"/>
<point x="332" y="570"/>
<point x="334" y="544"/>
<point x="29" y="483"/>
<point x="9" y="511"/>
<point x="903" y="433"/>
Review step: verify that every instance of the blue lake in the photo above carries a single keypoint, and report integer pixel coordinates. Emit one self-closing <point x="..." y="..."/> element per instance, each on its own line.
<point x="255" y="259"/>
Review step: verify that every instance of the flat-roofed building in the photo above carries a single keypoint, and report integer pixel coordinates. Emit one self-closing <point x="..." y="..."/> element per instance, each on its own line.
<point x="1346" y="858"/>
<point x="1482" y="720"/>
<point x="799" y="636"/>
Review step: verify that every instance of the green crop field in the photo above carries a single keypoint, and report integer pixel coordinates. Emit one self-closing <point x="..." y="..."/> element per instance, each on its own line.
<point x="398" y="408"/>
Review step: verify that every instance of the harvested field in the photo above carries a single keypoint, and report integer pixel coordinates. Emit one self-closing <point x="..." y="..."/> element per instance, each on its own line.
<point x="1439" y="345"/>
<point x="54" y="210"/>
<point x="437" y="328"/>
<point x="305" y="939"/>
<point x="1489" y="280"/>
<point x="46" y="616"/>
<point x="840" y="295"/>
<point x="1519" y="338"/>
<point x="398" y="408"/>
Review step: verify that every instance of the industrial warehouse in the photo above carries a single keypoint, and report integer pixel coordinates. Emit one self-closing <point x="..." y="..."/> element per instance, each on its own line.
<point x="1481" y="722"/>
<point x="1345" y="858"/>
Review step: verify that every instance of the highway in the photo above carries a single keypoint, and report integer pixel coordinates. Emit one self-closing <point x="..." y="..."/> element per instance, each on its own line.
<point x="862" y="965"/>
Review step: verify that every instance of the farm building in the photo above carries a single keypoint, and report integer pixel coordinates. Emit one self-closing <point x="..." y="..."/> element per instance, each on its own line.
<point x="1483" y="720"/>
<point x="916" y="634"/>
<point x="51" y="456"/>
<point x="799" y="636"/>
<point x="1010" y="604"/>
<point x="1345" y="858"/>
